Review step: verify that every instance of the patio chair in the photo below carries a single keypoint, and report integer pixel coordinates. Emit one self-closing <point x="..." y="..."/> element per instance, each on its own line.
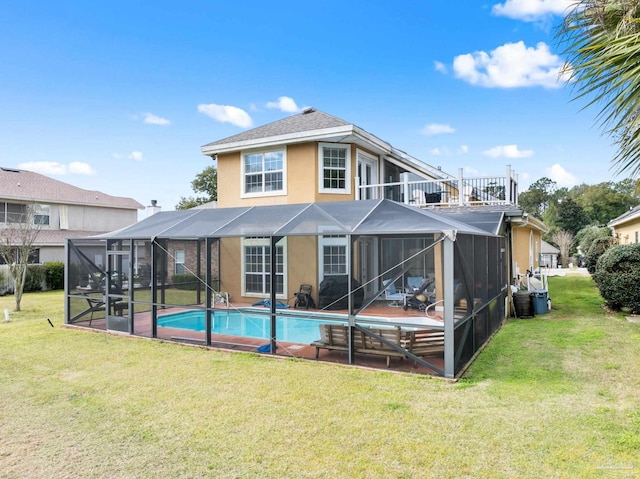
<point x="413" y="283"/>
<point x="391" y="294"/>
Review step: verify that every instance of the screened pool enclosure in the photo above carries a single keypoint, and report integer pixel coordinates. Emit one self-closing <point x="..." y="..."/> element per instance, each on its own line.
<point x="229" y="278"/>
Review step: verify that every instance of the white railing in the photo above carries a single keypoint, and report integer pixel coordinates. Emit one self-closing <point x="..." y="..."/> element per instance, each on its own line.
<point x="460" y="191"/>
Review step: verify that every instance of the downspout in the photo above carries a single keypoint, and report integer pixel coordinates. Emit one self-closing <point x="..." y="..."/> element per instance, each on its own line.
<point x="448" y="280"/>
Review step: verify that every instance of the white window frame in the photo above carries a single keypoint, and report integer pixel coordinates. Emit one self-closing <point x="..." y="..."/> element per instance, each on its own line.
<point x="243" y="173"/>
<point x="332" y="240"/>
<point x="347" y="181"/>
<point x="42" y="211"/>
<point x="176" y="253"/>
<point x="263" y="242"/>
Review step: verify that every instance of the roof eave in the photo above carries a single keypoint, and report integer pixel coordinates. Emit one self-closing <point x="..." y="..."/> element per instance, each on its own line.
<point x="298" y="137"/>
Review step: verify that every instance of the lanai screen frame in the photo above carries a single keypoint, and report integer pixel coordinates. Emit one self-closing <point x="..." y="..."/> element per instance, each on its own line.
<point x="378" y="218"/>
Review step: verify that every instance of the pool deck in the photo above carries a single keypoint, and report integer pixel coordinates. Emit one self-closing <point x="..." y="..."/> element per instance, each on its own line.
<point x="380" y="310"/>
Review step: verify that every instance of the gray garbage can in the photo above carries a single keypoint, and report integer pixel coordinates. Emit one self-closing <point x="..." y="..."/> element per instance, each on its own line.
<point x="539" y="298"/>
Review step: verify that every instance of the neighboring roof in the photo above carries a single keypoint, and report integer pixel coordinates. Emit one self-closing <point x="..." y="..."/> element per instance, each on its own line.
<point x="57" y="237"/>
<point x="546" y="248"/>
<point x="516" y="216"/>
<point x="631" y="215"/>
<point x="315" y="125"/>
<point x="22" y="185"/>
<point x="367" y="217"/>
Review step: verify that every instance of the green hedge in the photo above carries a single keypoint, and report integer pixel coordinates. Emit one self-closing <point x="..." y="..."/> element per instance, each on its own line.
<point x="618" y="277"/>
<point x="35" y="278"/>
<point x="185" y="281"/>
<point x="597" y="248"/>
<point x="54" y="274"/>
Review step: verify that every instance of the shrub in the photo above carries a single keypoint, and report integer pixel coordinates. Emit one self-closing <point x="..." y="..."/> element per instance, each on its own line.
<point x="618" y="277"/>
<point x="185" y="281"/>
<point x="34" y="279"/>
<point x="54" y="274"/>
<point x="597" y="248"/>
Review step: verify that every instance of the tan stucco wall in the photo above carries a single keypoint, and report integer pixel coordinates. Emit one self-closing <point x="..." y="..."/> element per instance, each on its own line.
<point x="627" y="233"/>
<point x="301" y="182"/>
<point x="521" y="253"/>
<point x="302" y="267"/>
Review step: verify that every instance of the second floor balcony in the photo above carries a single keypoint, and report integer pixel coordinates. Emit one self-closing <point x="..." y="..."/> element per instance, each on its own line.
<point x="460" y="191"/>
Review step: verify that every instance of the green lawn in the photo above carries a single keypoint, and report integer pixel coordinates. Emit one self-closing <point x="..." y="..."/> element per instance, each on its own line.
<point x="553" y="396"/>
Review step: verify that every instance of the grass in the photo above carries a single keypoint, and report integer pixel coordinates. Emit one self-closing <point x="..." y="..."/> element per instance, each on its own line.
<point x="553" y="396"/>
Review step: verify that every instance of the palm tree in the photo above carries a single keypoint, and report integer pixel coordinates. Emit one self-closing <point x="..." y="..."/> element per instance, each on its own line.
<point x="602" y="44"/>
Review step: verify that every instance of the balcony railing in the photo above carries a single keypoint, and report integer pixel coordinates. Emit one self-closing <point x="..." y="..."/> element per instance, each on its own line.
<point x="460" y="191"/>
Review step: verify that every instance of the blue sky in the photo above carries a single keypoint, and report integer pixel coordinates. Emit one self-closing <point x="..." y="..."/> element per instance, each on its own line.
<point x="119" y="96"/>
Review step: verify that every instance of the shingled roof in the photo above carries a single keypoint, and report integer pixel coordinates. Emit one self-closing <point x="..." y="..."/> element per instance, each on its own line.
<point x="22" y="185"/>
<point x="315" y="125"/>
<point x="308" y="120"/>
<point x="632" y="214"/>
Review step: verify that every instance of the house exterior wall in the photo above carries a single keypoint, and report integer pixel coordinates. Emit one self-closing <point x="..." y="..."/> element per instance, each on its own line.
<point x="302" y="177"/>
<point x="92" y="218"/>
<point x="628" y="233"/>
<point x="526" y="249"/>
<point x="301" y="261"/>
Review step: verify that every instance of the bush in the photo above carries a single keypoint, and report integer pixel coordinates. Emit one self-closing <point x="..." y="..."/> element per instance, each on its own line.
<point x="54" y="274"/>
<point x="597" y="248"/>
<point x="185" y="281"/>
<point x="34" y="279"/>
<point x="618" y="277"/>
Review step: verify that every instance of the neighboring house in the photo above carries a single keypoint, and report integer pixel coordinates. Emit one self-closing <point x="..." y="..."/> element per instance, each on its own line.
<point x="60" y="210"/>
<point x="549" y="255"/>
<point x="316" y="157"/>
<point x="626" y="227"/>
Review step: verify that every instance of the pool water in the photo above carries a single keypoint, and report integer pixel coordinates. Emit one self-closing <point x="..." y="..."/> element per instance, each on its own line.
<point x="236" y="323"/>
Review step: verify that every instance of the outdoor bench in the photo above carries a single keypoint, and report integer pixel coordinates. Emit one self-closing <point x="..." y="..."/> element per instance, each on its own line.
<point x="421" y="342"/>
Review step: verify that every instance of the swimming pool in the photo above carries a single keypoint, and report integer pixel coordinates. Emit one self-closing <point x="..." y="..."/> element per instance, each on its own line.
<point x="237" y="323"/>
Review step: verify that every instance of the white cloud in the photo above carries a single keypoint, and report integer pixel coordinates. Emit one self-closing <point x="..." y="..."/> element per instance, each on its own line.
<point x="284" y="103"/>
<point x="152" y="119"/>
<point x="507" y="151"/>
<point x="436" y="129"/>
<point x="463" y="149"/>
<point x="511" y="65"/>
<point x="81" y="168"/>
<point x="226" y="114"/>
<point x="561" y="176"/>
<point x="440" y="67"/>
<point x="531" y="10"/>
<point x="55" y="168"/>
<point x="134" y="155"/>
<point x="439" y="151"/>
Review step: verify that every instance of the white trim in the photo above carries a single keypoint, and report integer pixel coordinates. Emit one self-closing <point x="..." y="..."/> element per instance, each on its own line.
<point x="337" y="240"/>
<point x="347" y="186"/>
<point x="263" y="242"/>
<point x="371" y="159"/>
<point x="272" y="141"/>
<point x="282" y="192"/>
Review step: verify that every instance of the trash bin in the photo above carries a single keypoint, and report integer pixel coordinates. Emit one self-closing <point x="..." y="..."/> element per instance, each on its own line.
<point x="539" y="299"/>
<point x="523" y="304"/>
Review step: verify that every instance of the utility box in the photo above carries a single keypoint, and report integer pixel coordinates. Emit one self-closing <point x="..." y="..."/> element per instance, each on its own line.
<point x="539" y="298"/>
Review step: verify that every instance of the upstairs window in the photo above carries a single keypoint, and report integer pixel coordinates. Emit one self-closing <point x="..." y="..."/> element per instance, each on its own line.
<point x="335" y="168"/>
<point x="12" y="213"/>
<point x="41" y="214"/>
<point x="263" y="173"/>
